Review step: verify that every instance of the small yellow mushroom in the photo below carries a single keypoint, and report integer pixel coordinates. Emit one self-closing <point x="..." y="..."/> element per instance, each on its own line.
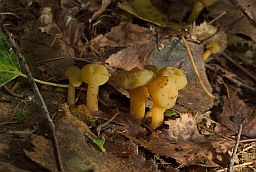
<point x="164" y="94"/>
<point x="94" y="75"/>
<point x="198" y="7"/>
<point x="136" y="81"/>
<point x="73" y="73"/>
<point x="211" y="47"/>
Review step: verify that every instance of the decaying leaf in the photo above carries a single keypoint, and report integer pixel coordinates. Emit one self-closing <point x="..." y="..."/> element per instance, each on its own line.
<point x="145" y="10"/>
<point x="78" y="155"/>
<point x="235" y="112"/>
<point x="173" y="53"/>
<point x="47" y="46"/>
<point x="183" y="142"/>
<point x="232" y="14"/>
<point x="139" y="48"/>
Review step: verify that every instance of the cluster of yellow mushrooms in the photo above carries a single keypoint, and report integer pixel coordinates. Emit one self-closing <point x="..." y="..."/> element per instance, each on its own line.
<point x="162" y="85"/>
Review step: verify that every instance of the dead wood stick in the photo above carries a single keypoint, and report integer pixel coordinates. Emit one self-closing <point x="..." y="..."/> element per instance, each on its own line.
<point x="232" y="159"/>
<point x="40" y="99"/>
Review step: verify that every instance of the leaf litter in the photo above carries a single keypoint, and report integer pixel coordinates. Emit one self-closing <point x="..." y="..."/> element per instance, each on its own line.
<point x="62" y="36"/>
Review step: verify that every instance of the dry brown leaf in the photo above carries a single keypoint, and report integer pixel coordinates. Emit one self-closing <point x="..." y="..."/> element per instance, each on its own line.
<point x="173" y="53"/>
<point x="124" y="35"/>
<point x="235" y="112"/>
<point x="79" y="155"/>
<point x="232" y="14"/>
<point x="183" y="142"/>
<point x="183" y="128"/>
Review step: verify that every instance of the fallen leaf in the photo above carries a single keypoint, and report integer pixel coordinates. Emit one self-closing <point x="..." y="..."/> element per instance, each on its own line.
<point x="78" y="155"/>
<point x="232" y="14"/>
<point x="235" y="112"/>
<point x="183" y="142"/>
<point x="173" y="53"/>
<point x="145" y="10"/>
<point x="183" y="128"/>
<point x="124" y="35"/>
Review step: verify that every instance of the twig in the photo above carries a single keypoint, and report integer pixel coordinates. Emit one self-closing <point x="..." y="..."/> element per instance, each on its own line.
<point x="247" y="140"/>
<point x="209" y="130"/>
<point x="195" y="69"/>
<point x="230" y="78"/>
<point x="237" y="166"/>
<point x="106" y="123"/>
<point x="243" y="11"/>
<point x="11" y="92"/>
<point x="218" y="17"/>
<point x="220" y="30"/>
<point x="232" y="160"/>
<point x="239" y="66"/>
<point x="38" y="95"/>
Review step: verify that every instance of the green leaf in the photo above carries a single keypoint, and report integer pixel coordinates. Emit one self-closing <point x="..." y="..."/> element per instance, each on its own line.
<point x="98" y="141"/>
<point x="9" y="64"/>
<point x="170" y="112"/>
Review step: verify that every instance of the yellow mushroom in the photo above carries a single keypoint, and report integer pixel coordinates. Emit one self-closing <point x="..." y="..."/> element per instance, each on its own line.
<point x="135" y="81"/>
<point x="179" y="78"/>
<point x="73" y="73"/>
<point x="94" y="75"/>
<point x="198" y="7"/>
<point x="211" y="47"/>
<point x="164" y="94"/>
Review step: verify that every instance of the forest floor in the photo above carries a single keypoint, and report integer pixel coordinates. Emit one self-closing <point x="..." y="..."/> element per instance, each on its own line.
<point x="212" y="126"/>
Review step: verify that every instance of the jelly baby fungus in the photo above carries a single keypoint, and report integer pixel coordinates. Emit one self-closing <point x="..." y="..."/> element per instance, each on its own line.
<point x="94" y="75"/>
<point x="198" y="7"/>
<point x="211" y="47"/>
<point x="135" y="81"/>
<point x="73" y="73"/>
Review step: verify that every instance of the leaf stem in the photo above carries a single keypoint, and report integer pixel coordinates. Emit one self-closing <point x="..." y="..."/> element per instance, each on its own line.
<point x="45" y="82"/>
<point x="195" y="69"/>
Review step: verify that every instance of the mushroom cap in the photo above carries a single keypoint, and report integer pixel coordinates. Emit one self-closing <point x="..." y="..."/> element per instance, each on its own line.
<point x="163" y="92"/>
<point x="213" y="46"/>
<point x="73" y="73"/>
<point x="179" y="78"/>
<point x="134" y="78"/>
<point x="94" y="74"/>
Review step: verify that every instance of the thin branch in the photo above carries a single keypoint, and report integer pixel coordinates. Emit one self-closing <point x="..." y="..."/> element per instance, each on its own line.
<point x="106" y="123"/>
<point x="239" y="66"/>
<point x="243" y="11"/>
<point x="229" y="77"/>
<point x="39" y="97"/>
<point x="232" y="160"/>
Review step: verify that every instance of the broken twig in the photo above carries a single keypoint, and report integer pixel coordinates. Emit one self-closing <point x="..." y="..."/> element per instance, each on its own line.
<point x="232" y="160"/>
<point x="38" y="95"/>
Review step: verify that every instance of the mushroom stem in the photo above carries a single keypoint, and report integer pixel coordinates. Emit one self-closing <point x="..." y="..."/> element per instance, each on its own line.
<point x="71" y="95"/>
<point x="197" y="8"/>
<point x="92" y="98"/>
<point x="138" y="97"/>
<point x="157" y="116"/>
<point x="207" y="53"/>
